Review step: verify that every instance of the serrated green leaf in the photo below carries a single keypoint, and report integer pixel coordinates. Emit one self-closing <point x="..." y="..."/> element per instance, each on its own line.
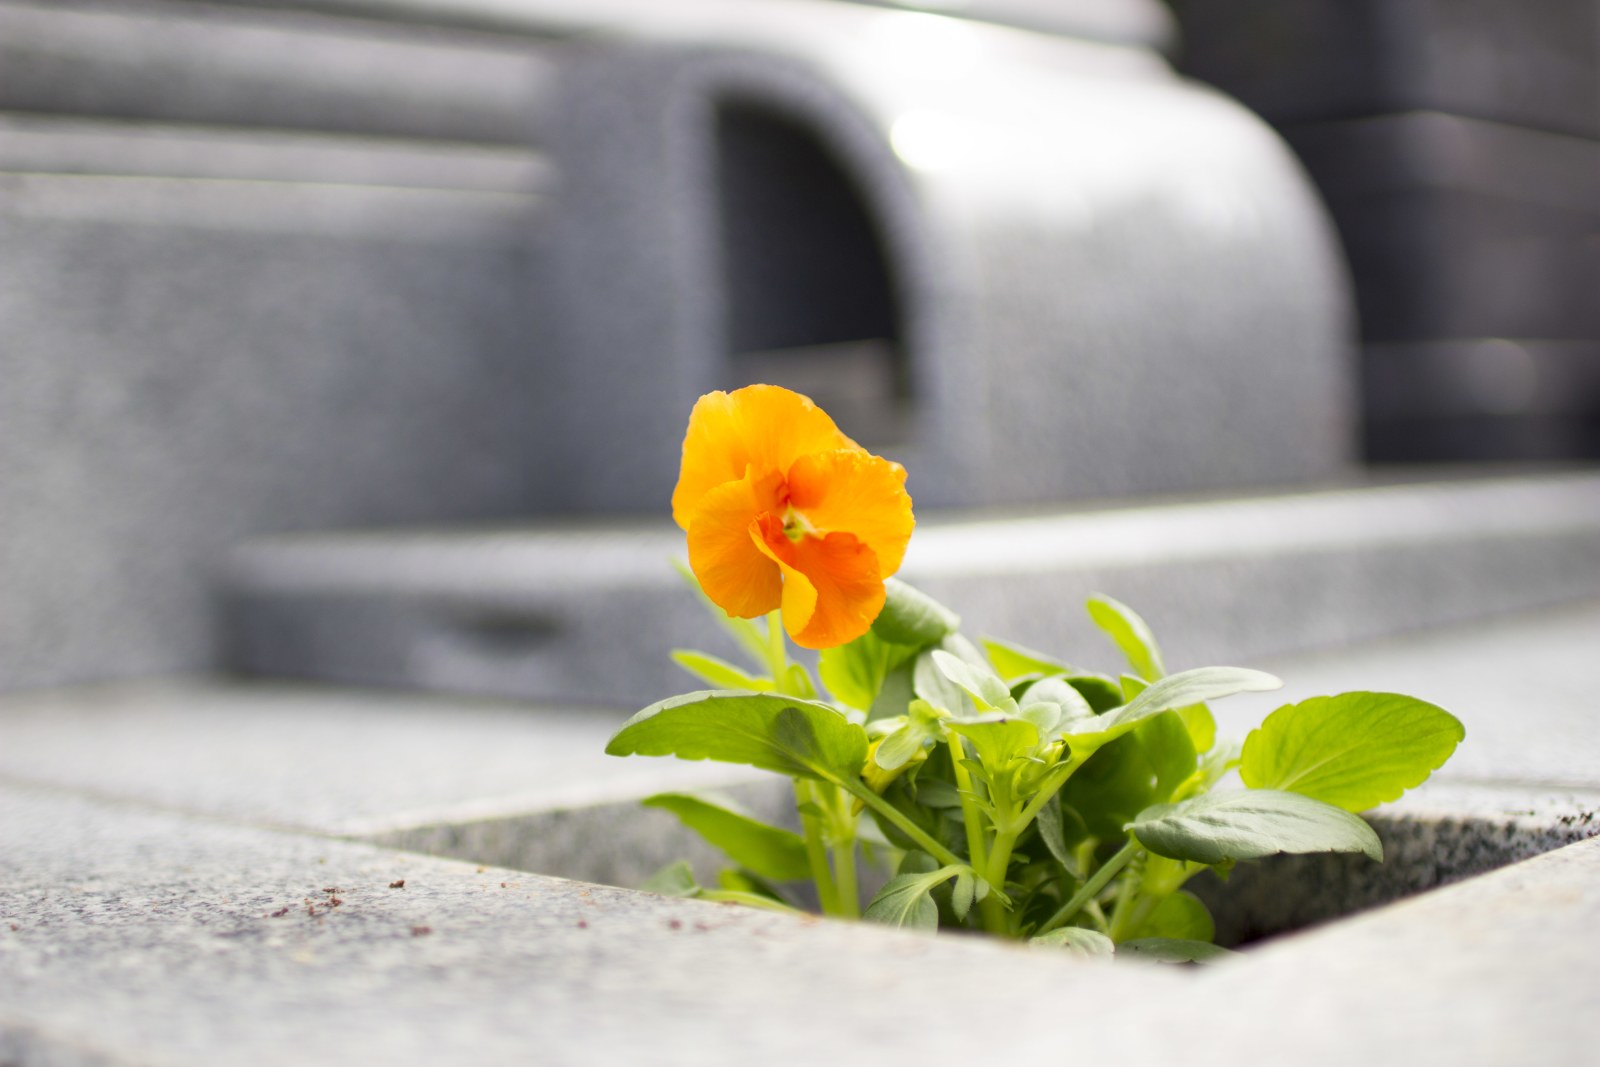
<point x="766" y="730"/>
<point x="1090" y="944"/>
<point x="1173" y="950"/>
<point x="1354" y="750"/>
<point x="912" y="617"/>
<point x="1132" y="635"/>
<point x="1250" y="824"/>
<point x="767" y="851"/>
<point x="718" y="672"/>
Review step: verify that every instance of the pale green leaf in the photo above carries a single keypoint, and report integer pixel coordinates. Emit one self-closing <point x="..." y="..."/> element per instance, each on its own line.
<point x="767" y="851"/>
<point x="904" y="901"/>
<point x="1354" y="750"/>
<point x="1180" y="916"/>
<point x="1124" y="626"/>
<point x="988" y="690"/>
<point x="1169" y="694"/>
<point x="718" y="672"/>
<point x="674" y="880"/>
<point x="1250" y="824"/>
<point x="766" y="730"/>
<point x="1090" y="944"/>
<point x="749" y="634"/>
<point x="912" y="617"/>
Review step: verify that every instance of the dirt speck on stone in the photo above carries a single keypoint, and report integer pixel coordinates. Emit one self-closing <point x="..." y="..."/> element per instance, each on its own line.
<point x="421" y="931"/>
<point x="398" y="883"/>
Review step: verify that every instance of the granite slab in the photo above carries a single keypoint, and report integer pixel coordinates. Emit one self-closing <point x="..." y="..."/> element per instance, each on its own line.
<point x="541" y="612"/>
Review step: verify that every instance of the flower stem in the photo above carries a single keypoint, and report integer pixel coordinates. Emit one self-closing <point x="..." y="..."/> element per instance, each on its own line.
<point x="1092" y="887"/>
<point x="777" y="652"/>
<point x="805" y="799"/>
<point x="906" y="826"/>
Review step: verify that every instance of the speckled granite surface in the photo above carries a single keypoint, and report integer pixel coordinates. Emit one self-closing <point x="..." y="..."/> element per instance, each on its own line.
<point x="173" y="851"/>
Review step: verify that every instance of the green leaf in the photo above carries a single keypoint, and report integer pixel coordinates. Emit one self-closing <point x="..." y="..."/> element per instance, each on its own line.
<point x="962" y="894"/>
<point x="1124" y="626"/>
<point x="1169" y="694"/>
<point x="718" y="672"/>
<point x="1201" y="724"/>
<point x="1354" y="750"/>
<point x="1249" y="824"/>
<point x="998" y="743"/>
<point x="1129" y="774"/>
<point x="912" y="617"/>
<point x="1091" y="944"/>
<point x="1165" y="740"/>
<point x="1014" y="661"/>
<point x="1173" y="950"/>
<point x="1101" y="692"/>
<point x="1051" y="832"/>
<point x="765" y="850"/>
<point x="904" y="901"/>
<point x="986" y="688"/>
<point x="749" y="635"/>
<point x="895" y="694"/>
<point x="1179" y="917"/>
<point x="673" y="880"/>
<point x="930" y="684"/>
<point x="766" y="730"/>
<point x="854" y="672"/>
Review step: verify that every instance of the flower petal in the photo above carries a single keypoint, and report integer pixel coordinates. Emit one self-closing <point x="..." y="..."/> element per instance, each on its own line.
<point x="852" y="491"/>
<point x="760" y="428"/>
<point x="734" y="573"/>
<point x="832" y="587"/>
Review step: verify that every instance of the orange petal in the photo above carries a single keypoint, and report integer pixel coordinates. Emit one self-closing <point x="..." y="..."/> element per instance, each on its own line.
<point x="760" y="429"/>
<point x="832" y="587"/>
<point x="853" y="491"/>
<point x="734" y="573"/>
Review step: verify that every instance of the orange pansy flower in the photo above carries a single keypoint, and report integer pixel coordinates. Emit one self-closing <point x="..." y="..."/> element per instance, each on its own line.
<point x="783" y="510"/>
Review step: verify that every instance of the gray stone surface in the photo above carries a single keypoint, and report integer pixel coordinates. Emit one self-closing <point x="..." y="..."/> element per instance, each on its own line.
<point x="1534" y="62"/>
<point x="175" y="61"/>
<point x="189" y="361"/>
<point x="1459" y="228"/>
<point x="544" y="612"/>
<point x="131" y="932"/>
<point x="1494" y="398"/>
<point x="1060" y="251"/>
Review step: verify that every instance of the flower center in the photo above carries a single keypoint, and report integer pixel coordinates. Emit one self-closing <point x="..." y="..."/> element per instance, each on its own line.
<point x="795" y="526"/>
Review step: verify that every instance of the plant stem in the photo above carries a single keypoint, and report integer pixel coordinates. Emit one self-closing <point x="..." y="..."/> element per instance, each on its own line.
<point x="816" y="850"/>
<point x="971" y="817"/>
<point x="905" y="825"/>
<point x="777" y="652"/>
<point x="844" y="869"/>
<point x="1092" y="887"/>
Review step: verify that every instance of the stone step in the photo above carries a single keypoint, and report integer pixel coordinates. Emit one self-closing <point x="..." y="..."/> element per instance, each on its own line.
<point x="588" y="612"/>
<point x="171" y="61"/>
